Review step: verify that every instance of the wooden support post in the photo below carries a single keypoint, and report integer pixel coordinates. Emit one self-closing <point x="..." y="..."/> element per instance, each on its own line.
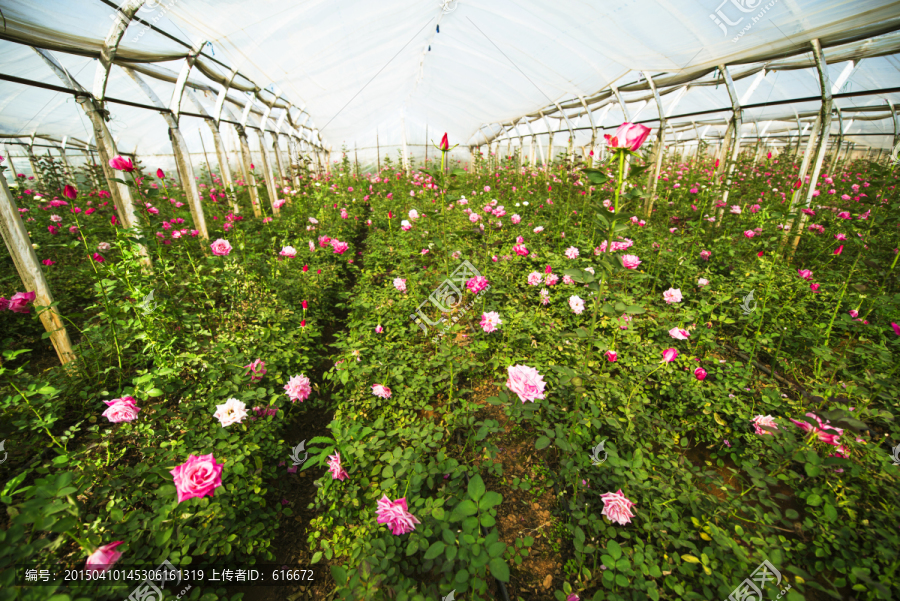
<point x="180" y="150"/>
<point x="106" y="148"/>
<point x="25" y="259"/>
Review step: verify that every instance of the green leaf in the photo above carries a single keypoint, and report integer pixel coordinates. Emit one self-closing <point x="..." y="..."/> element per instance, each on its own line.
<point x="813" y="500"/>
<point x="490" y="499"/>
<point x="154" y="392"/>
<point x="542" y="443"/>
<point x="462" y="510"/>
<point x="339" y="574"/>
<point x="614" y="549"/>
<point x="436" y="548"/>
<point x="499" y="569"/>
<point x="690" y="559"/>
<point x="476" y="487"/>
<point x="830" y="512"/>
<point x="596" y="177"/>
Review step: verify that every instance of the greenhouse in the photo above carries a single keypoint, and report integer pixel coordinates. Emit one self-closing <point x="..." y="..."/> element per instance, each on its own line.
<point x="449" y="300"/>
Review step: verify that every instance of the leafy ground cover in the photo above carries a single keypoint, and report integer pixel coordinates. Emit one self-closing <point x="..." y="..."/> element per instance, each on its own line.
<point x="523" y="383"/>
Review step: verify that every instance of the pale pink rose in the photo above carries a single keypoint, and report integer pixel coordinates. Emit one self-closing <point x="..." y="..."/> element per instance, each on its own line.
<point x="490" y="321"/>
<point x="577" y="304"/>
<point x="539" y="229"/>
<point x="199" y="476"/>
<point x="702" y="282"/>
<point x="630" y="261"/>
<point x="103" y="246"/>
<point x="545" y="296"/>
<point x="339" y="247"/>
<point x="104" y="557"/>
<point x="567" y="280"/>
<point x="534" y="278"/>
<point x="617" y="508"/>
<point x="288" y="251"/>
<point x="705" y="254"/>
<point x="572" y="252"/>
<point x="628" y="135"/>
<point x="396" y="515"/>
<point x="474" y="217"/>
<point x="312" y="247"/>
<point x="298" y="388"/>
<point x="379" y="329"/>
<point x="121" y="410"/>
<point x="231" y="412"/>
<point x="400" y="284"/>
<point x="764" y="420"/>
<point x="672" y="295"/>
<point x="220" y="247"/>
<point x="679" y="334"/>
<point x="381" y="391"/>
<point x="526" y="382"/>
<point x="515" y="219"/>
<point x="551" y="279"/>
<point x="334" y="466"/>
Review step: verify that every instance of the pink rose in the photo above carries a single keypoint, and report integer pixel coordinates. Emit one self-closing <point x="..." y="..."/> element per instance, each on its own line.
<point x="121" y="410"/>
<point x="298" y="388"/>
<point x="630" y="261"/>
<point x="197" y="477"/>
<point x="396" y="515"/>
<point x="617" y="508"/>
<point x="672" y="295"/>
<point x="19" y="301"/>
<point x="761" y="421"/>
<point x="220" y="247"/>
<point x="382" y="391"/>
<point x="526" y="382"/>
<point x="629" y="135"/>
<point x="104" y="557"/>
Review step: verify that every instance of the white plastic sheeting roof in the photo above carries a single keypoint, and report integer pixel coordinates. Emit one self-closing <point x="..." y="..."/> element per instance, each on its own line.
<point x="363" y="70"/>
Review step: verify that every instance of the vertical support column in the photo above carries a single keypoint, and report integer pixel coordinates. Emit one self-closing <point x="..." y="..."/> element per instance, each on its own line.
<point x="19" y="245"/>
<point x="106" y="148"/>
<point x="737" y="119"/>
<point x="32" y="160"/>
<point x="179" y="149"/>
<point x="67" y="168"/>
<point x="590" y="117"/>
<point x="656" y="156"/>
<point x="247" y="170"/>
<point x="405" y="149"/>
<point x="821" y="146"/>
<point x="267" y="169"/>
<point x="840" y="141"/>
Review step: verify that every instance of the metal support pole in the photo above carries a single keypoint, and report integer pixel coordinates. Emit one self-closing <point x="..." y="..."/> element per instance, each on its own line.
<point x="656" y="156"/>
<point x="825" y="118"/>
